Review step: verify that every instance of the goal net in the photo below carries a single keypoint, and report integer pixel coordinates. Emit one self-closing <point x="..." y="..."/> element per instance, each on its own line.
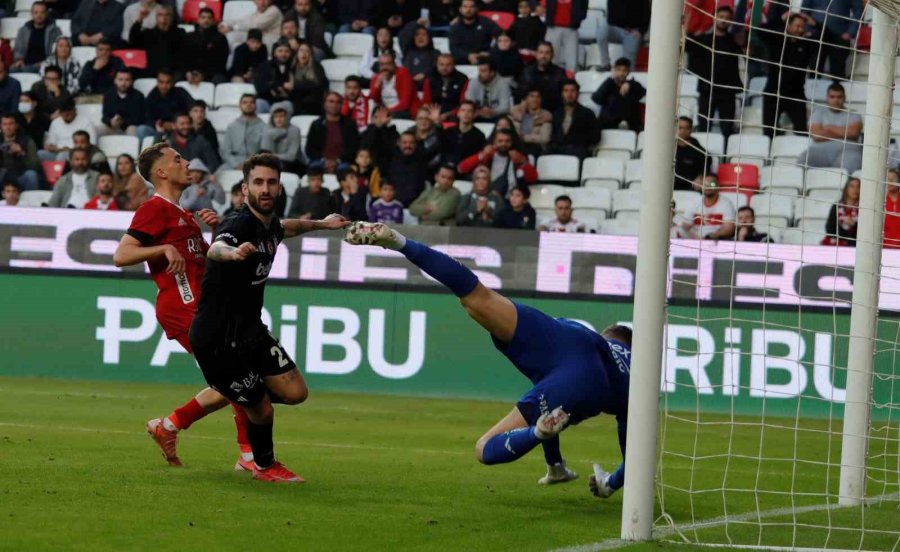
<point x="754" y="435"/>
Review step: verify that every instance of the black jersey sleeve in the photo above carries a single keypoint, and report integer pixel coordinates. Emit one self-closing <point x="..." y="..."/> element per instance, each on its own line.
<point x="234" y="230"/>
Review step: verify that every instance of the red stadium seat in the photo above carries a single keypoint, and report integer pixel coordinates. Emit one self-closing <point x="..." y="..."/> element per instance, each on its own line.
<point x="192" y="10"/>
<point x="739" y="177"/>
<point x="504" y="20"/>
<point x="136" y="59"/>
<point x="53" y="170"/>
<point x="864" y="38"/>
<point x="643" y="59"/>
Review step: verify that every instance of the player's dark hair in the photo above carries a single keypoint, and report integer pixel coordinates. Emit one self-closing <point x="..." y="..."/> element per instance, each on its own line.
<point x="148" y="158"/>
<point x="261" y="160"/>
<point x="166" y="72"/>
<point x="793" y="17"/>
<point x="10" y="116"/>
<point x="384" y="183"/>
<point x="468" y="102"/>
<point x="618" y="332"/>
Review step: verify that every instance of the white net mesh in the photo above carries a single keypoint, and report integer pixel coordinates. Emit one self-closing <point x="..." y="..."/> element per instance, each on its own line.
<point x="757" y="340"/>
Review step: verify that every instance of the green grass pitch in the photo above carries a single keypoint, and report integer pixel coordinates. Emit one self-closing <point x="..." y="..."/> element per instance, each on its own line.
<point x="384" y="473"/>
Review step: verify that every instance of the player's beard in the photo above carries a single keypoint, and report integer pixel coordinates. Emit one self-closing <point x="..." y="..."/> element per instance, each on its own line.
<point x="254" y="202"/>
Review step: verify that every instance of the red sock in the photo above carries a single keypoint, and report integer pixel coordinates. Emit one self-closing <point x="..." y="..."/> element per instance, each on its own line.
<point x="240" y="421"/>
<point x="187" y="414"/>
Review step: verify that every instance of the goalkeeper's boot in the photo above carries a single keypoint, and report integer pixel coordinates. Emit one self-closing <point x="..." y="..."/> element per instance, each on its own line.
<point x="276" y="473"/>
<point x="558" y="473"/>
<point x="165" y="439"/>
<point x="551" y="423"/>
<point x="372" y="233"/>
<point x="599" y="483"/>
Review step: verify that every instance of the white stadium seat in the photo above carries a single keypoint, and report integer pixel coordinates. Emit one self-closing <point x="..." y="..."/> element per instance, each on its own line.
<point x="144" y="86"/>
<point x="712" y="142"/>
<point x="23" y="7"/>
<point x="402" y="125"/>
<point x="685" y="199"/>
<point x="826" y="179"/>
<point x="9" y="26"/>
<point x="84" y="54"/>
<point x="464" y="186"/>
<point x="65" y="26"/>
<point x="626" y="202"/>
<point x="221" y="118"/>
<point x="228" y="94"/>
<point x="486" y="128"/>
<point x="780" y="178"/>
<point x="291" y="182"/>
<point x="621" y="140"/>
<point x="235" y="10"/>
<point x="206" y="91"/>
<point x="604" y="173"/>
<point x="337" y="70"/>
<point x="773" y="206"/>
<point x="590" y="81"/>
<point x="544" y="195"/>
<point x="26" y="80"/>
<point x="558" y="168"/>
<point x="34" y="198"/>
<point x="352" y="45"/>
<point x="115" y="145"/>
<point x="441" y="44"/>
<point x="799" y="236"/>
<point x="789" y="147"/>
<point x="470" y="71"/>
<point x="93" y="111"/>
<point x="228" y="178"/>
<point x="593" y="199"/>
<point x="748" y="148"/>
<point x="634" y="172"/>
<point x="148" y="141"/>
<point x="620" y="155"/>
<point x="812" y="208"/>
<point x="626" y="226"/>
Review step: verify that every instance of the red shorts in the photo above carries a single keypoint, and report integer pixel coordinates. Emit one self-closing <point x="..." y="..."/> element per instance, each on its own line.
<point x="183" y="340"/>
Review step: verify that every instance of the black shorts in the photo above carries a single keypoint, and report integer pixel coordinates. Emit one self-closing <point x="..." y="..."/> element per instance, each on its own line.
<point x="238" y="372"/>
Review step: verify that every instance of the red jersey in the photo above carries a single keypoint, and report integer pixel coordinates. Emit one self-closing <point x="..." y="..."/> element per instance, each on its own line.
<point x="160" y="222"/>
<point x="891" y="223"/>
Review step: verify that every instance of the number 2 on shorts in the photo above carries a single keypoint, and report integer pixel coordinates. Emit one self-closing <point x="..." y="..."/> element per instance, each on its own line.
<point x="276" y="351"/>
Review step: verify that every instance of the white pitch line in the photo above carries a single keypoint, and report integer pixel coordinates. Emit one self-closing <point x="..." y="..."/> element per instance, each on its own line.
<point x="665" y="532"/>
<point x="73" y="394"/>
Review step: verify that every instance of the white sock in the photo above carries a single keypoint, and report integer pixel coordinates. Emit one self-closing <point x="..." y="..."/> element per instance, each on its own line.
<point x="168" y="425"/>
<point x="247" y="456"/>
<point x="398" y="242"/>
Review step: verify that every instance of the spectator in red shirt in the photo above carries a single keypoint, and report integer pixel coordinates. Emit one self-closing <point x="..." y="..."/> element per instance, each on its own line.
<point x="393" y="87"/>
<point x="104" y="200"/>
<point x="892" y="211"/>
<point x="508" y="166"/>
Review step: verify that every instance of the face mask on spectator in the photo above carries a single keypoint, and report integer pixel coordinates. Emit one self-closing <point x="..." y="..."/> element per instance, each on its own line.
<point x="25" y="107"/>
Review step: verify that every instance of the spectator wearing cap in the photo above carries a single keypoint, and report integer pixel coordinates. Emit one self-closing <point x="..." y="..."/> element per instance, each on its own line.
<point x="124" y="111"/>
<point x="11" y="193"/>
<point x="564" y="221"/>
<point x="50" y="92"/>
<point x="464" y="139"/>
<point x="393" y="87"/>
<point x="437" y="204"/>
<point x="209" y="48"/>
<point x="356" y="104"/>
<point x="508" y="166"/>
<point x="575" y="129"/>
<point x="273" y="77"/>
<point x="59" y="137"/>
<point x="446" y="87"/>
<point x="281" y="138"/>
<point x="267" y="19"/>
<point x="10" y="90"/>
<point x="97" y="19"/>
<point x="490" y="92"/>
<point x="313" y="201"/>
<point x="308" y="82"/>
<point x="248" y="56"/>
<point x="201" y="125"/>
<point x="533" y="123"/>
<point x="32" y="120"/>
<point x="564" y="17"/>
<point x="98" y="75"/>
<point x="479" y="207"/>
<point x="34" y="40"/>
<point x="471" y="35"/>
<point x="332" y="139"/>
<point x="713" y="216"/>
<point x="203" y="193"/>
<point x="18" y="154"/>
<point x="62" y="57"/>
<point x="380" y="138"/>
<point x="408" y="169"/>
<point x="349" y="200"/>
<point x="619" y="98"/>
<point x="746" y="231"/>
<point x="166" y="101"/>
<point x="544" y="75"/>
<point x="518" y="214"/>
<point x="164" y="43"/>
<point x="76" y="187"/>
<point x="386" y="208"/>
<point x="243" y="136"/>
<point x="311" y="25"/>
<point x="191" y="145"/>
<point x="104" y="199"/>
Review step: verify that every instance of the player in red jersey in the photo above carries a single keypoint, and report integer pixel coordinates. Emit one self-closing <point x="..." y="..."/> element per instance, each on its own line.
<point x="169" y="239"/>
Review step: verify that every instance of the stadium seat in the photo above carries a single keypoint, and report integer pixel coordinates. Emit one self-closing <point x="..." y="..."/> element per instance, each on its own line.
<point x="621" y="140"/>
<point x="773" y="206"/>
<point x="712" y="142"/>
<point x="780" y="178"/>
<point x="486" y="128"/>
<point x="751" y="120"/>
<point x="136" y="59"/>
<point x="93" y="111"/>
<point x="685" y="199"/>
<point x="206" y="91"/>
<point x="291" y="182"/>
<point x="634" y="172"/>
<point x="26" y="80"/>
<point x="864" y="38"/>
<point x="402" y="125"/>
<point x="337" y="70"/>
<point x="229" y="178"/>
<point x="620" y="155"/>
<point x="740" y="176"/>
<point x="826" y="179"/>
<point x="788" y="147"/>
<point x="744" y="148"/>
<point x="235" y="10"/>
<point x="147" y="142"/>
<point x="626" y="201"/>
<point x="192" y="9"/>
<point x="504" y="20"/>
<point x="53" y="170"/>
<point x="115" y="145"/>
<point x="801" y="236"/>
<point x="558" y="168"/>
<point x="544" y="195"/>
<point x="591" y="223"/>
<point x="812" y="208"/>
<point x="687" y="85"/>
<point x="330" y="182"/>
<point x="303" y="122"/>
<point x="9" y="26"/>
<point x="352" y="45"/>
<point x="221" y="118"/>
<point x="464" y="186"/>
<point x="590" y="81"/>
<point x="470" y="71"/>
<point x="591" y="199"/>
<point x="84" y="54"/>
<point x="23" y="7"/>
<point x="824" y="194"/>
<point x="587" y="31"/>
<point x="602" y="173"/>
<point x="441" y="44"/>
<point x="34" y="198"/>
<point x="144" y="86"/>
<point x="228" y="94"/>
<point x="65" y="26"/>
<point x="626" y="226"/>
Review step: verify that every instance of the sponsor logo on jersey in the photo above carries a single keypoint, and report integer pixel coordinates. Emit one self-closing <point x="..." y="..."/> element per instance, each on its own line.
<point x="262" y="269"/>
<point x="251" y="380"/>
<point x="193" y="245"/>
<point x="236" y="387"/>
<point x="229" y="237"/>
<point x="184" y="288"/>
<point x="621" y="355"/>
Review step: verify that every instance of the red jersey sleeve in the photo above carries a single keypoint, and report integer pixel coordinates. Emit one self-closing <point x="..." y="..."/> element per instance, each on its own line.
<point x="146" y="226"/>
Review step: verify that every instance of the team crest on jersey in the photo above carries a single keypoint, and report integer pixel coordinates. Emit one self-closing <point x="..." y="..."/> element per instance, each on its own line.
<point x="181" y="222"/>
